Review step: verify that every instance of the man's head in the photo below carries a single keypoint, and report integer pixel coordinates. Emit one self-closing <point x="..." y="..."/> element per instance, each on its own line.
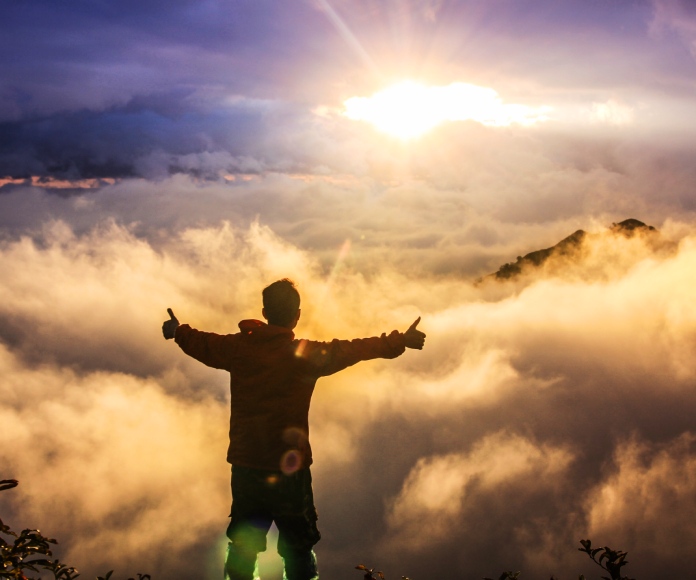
<point x="281" y="303"/>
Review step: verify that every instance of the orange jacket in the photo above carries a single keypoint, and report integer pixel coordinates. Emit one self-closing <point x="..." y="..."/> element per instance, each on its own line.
<point x="272" y="377"/>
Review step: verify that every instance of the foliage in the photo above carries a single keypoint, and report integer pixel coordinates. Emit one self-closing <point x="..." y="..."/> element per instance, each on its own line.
<point x="370" y="573"/>
<point x="507" y="576"/>
<point x="610" y="560"/>
<point x="30" y="551"/>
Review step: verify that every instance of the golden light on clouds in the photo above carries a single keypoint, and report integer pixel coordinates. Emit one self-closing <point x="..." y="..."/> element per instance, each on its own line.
<point x="408" y="109"/>
<point x="491" y="416"/>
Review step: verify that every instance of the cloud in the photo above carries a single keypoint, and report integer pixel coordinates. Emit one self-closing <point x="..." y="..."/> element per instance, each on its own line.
<point x="645" y="482"/>
<point x="148" y="88"/>
<point x="505" y="435"/>
<point x="95" y="402"/>
<point x="126" y="466"/>
<point x="457" y="191"/>
<point x="437" y="493"/>
<point x="122" y="142"/>
<point x="612" y="113"/>
<point x="676" y="15"/>
<point x="185" y="155"/>
<point x="87" y="57"/>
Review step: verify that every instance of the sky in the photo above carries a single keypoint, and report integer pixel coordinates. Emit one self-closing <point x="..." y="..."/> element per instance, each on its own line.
<point x="186" y="153"/>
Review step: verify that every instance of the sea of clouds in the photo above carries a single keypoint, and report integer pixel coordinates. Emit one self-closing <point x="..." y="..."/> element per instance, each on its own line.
<point x="551" y="408"/>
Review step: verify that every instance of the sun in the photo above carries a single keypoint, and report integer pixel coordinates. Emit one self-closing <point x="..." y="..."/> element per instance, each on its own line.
<point x="409" y="109"/>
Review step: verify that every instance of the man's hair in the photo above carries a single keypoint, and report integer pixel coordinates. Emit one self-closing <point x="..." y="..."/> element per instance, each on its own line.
<point x="281" y="301"/>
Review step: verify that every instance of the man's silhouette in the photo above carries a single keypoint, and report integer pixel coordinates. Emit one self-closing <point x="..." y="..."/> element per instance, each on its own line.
<point x="272" y="377"/>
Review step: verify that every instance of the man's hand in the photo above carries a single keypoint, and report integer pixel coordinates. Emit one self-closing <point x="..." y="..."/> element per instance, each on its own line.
<point x="414" y="338"/>
<point x="169" y="326"/>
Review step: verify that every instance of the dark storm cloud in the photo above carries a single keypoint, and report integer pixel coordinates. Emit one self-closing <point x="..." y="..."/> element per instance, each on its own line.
<point x="118" y="142"/>
<point x="95" y="55"/>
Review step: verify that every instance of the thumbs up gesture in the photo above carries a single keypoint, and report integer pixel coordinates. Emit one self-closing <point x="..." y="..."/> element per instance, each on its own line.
<point x="414" y="338"/>
<point x="169" y="326"/>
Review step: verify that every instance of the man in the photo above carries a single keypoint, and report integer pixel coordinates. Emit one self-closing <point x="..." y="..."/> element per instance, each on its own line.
<point x="272" y="377"/>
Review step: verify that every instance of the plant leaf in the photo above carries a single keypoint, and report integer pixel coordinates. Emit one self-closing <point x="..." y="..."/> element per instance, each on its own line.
<point x="8" y="484"/>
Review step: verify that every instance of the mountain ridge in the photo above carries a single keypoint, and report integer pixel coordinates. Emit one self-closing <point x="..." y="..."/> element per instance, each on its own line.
<point x="569" y="247"/>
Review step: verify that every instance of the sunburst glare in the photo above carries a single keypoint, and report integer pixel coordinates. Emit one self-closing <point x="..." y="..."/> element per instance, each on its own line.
<point x="409" y="109"/>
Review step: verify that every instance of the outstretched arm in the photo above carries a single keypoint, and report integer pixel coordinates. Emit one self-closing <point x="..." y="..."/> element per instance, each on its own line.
<point x="169" y="326"/>
<point x="413" y="337"/>
<point x="213" y="350"/>
<point x="331" y="357"/>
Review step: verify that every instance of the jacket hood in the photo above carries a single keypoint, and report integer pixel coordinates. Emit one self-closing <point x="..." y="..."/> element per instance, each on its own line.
<point x="262" y="330"/>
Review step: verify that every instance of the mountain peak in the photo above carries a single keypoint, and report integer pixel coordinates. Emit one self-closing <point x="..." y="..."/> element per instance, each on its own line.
<point x="630" y="225"/>
<point x="570" y="247"/>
